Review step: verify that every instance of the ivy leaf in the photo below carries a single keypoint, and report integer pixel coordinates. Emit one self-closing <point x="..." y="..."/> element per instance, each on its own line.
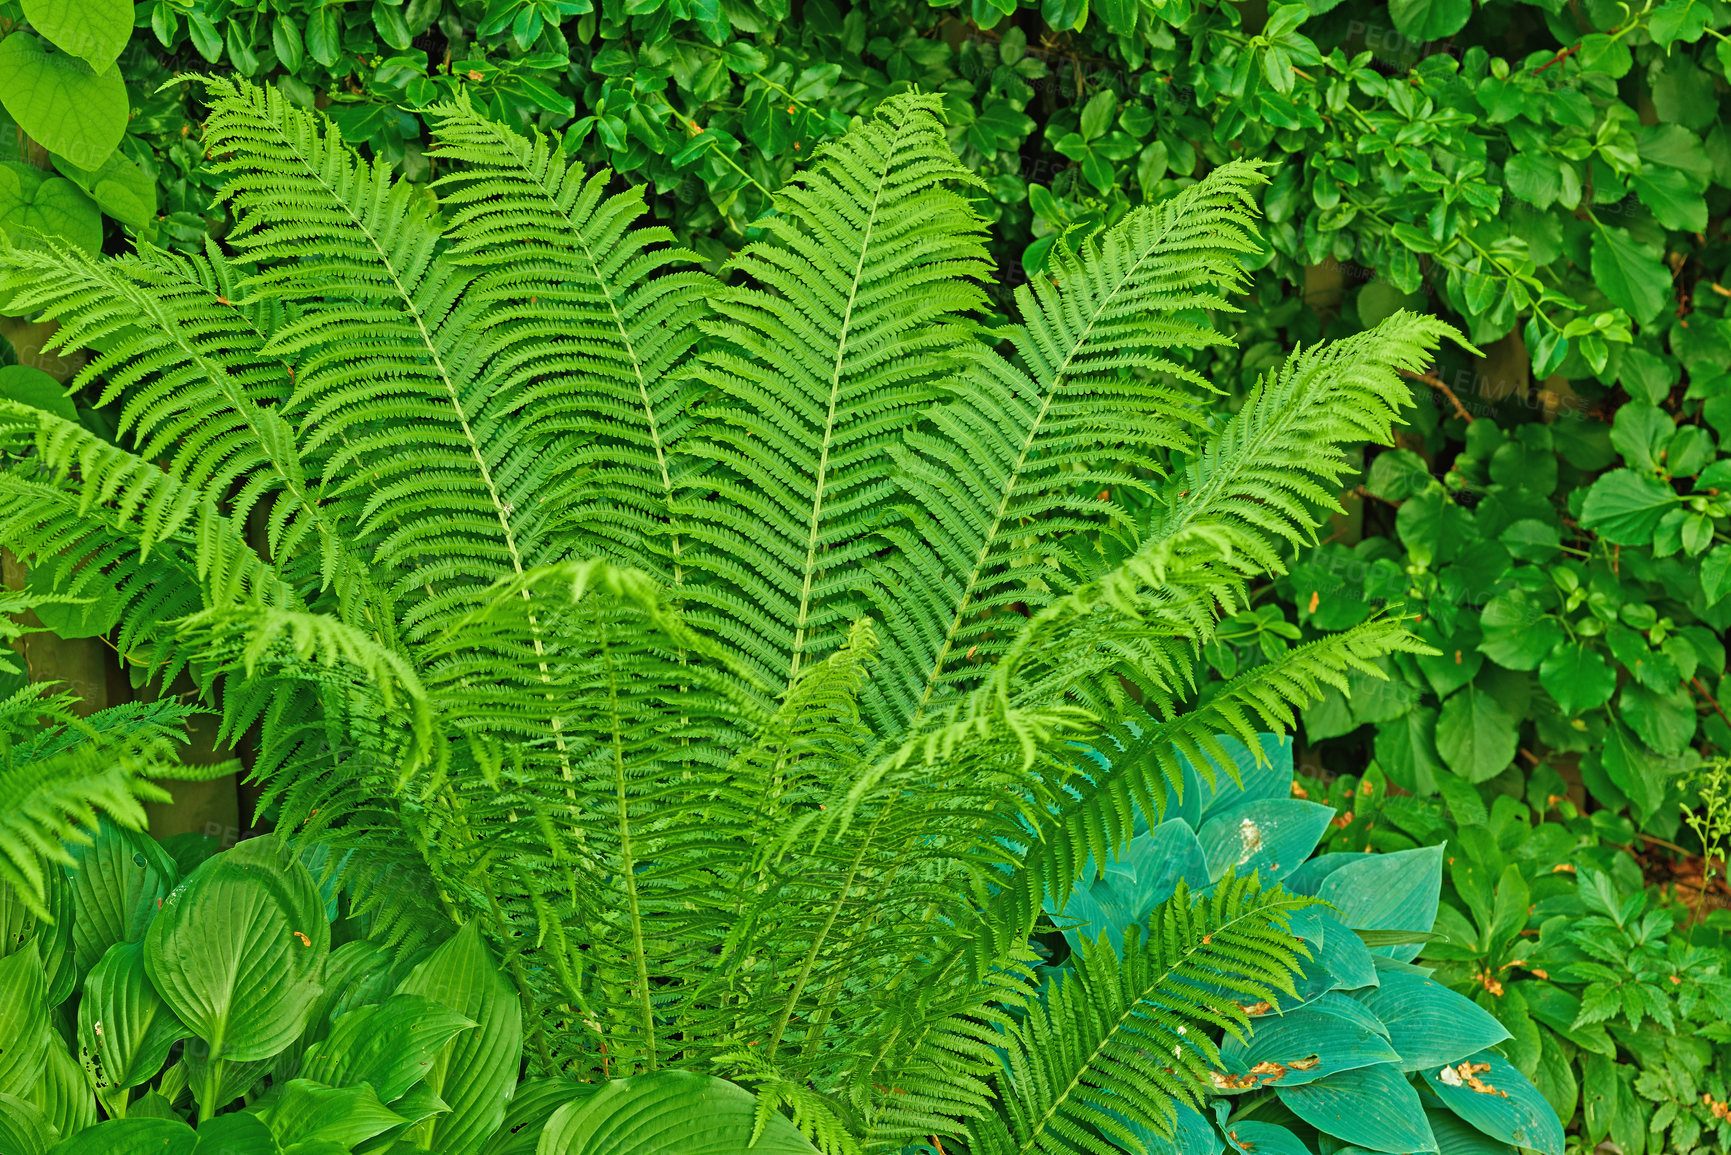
<point x="1578" y="678"/>
<point x="1631" y="273"/>
<point x="61" y="102"/>
<point x="1475" y="735"/>
<point x="1625" y="507"/>
<point x="1425" y="20"/>
<point x="94" y="30"/>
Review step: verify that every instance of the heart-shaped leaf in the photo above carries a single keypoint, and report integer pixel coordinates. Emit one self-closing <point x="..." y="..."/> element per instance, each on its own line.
<point x="237" y="949"/>
<point x="94" y="30"/>
<point x="1371" y="1107"/>
<point x="60" y="101"/>
<point x="34" y="204"/>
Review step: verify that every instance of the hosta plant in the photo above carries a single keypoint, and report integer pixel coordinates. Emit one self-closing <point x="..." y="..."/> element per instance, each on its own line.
<point x="1368" y="1051"/>
<point x="717" y="648"/>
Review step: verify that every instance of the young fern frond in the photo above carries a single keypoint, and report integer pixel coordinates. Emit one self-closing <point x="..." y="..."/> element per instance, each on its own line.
<point x="1121" y="1040"/>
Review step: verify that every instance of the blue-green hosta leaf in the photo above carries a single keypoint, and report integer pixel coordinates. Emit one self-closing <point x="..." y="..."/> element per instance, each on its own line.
<point x="1335" y="948"/>
<point x="236" y="950"/>
<point x="668" y="1113"/>
<point x="1253" y="1138"/>
<point x="60" y="101"/>
<point x="1454" y="1137"/>
<point x="1272" y="837"/>
<point x="1192" y="1134"/>
<point x="124" y="1027"/>
<point x="1370" y="1107"/>
<point x="1397" y="891"/>
<point x="23" y="1130"/>
<point x="1486" y="1091"/>
<point x="1333" y="1034"/>
<point x="1143" y="875"/>
<point x="132" y="1137"/>
<point x="389" y="1045"/>
<point x="1428" y="1023"/>
<point x="1308" y="878"/>
<point x="1269" y="778"/>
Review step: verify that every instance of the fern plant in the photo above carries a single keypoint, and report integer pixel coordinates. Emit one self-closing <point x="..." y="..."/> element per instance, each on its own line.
<point x="719" y="646"/>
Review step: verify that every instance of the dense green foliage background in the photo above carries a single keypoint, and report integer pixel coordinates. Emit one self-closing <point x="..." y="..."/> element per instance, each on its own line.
<point x="1552" y="177"/>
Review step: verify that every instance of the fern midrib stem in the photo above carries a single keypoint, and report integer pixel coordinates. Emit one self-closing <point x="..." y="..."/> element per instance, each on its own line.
<point x="1012" y="484"/>
<point x="627" y="856"/>
<point x="1031" y="1143"/>
<point x="829" y="421"/>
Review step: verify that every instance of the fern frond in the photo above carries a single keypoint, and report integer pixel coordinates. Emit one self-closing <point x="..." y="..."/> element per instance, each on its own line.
<point x="1024" y="453"/>
<point x="398" y="393"/>
<point x="601" y="314"/>
<point x="852" y="320"/>
<point x="1125" y="1038"/>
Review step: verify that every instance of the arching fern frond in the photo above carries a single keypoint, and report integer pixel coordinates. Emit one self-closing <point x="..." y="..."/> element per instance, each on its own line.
<point x="601" y="314"/>
<point x="851" y="320"/>
<point x="1124" y="1039"/>
<point x="1034" y="445"/>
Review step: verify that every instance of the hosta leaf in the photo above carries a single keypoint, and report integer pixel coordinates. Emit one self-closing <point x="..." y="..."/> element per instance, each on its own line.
<point x="132" y="1137"/>
<point x="236" y="950"/>
<point x="124" y="1027"/>
<point x="389" y="1045"/>
<point x="475" y="1071"/>
<point x="1397" y="891"/>
<point x="1427" y="1023"/>
<point x="117" y="885"/>
<point x="1371" y="1107"/>
<point x="23" y="1021"/>
<point x="1271" y="837"/>
<point x="23" y="1130"/>
<point x="309" y="1112"/>
<point x="1486" y="1091"/>
<point x="668" y="1113"/>
<point x="1253" y="1138"/>
<point x="1332" y="1034"/>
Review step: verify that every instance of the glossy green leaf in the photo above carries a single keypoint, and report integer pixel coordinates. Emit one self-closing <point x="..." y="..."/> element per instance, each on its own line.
<point x="1425" y="20"/>
<point x="60" y="101"/>
<point x="236" y="950"/>
<point x="33" y="387"/>
<point x="1475" y="734"/>
<point x="118" y="186"/>
<point x="34" y="204"/>
<point x="668" y="1113"/>
<point x="534" y="1103"/>
<point x="309" y="1112"/>
<point x="475" y="1071"/>
<point x="94" y="30"/>
<point x="132" y="1137"/>
<point x="23" y="1130"/>
<point x="124" y="1027"/>
<point x="1578" y="677"/>
<point x="1631" y="273"/>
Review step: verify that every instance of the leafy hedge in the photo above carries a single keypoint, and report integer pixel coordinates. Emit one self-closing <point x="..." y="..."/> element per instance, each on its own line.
<point x="1554" y="177"/>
